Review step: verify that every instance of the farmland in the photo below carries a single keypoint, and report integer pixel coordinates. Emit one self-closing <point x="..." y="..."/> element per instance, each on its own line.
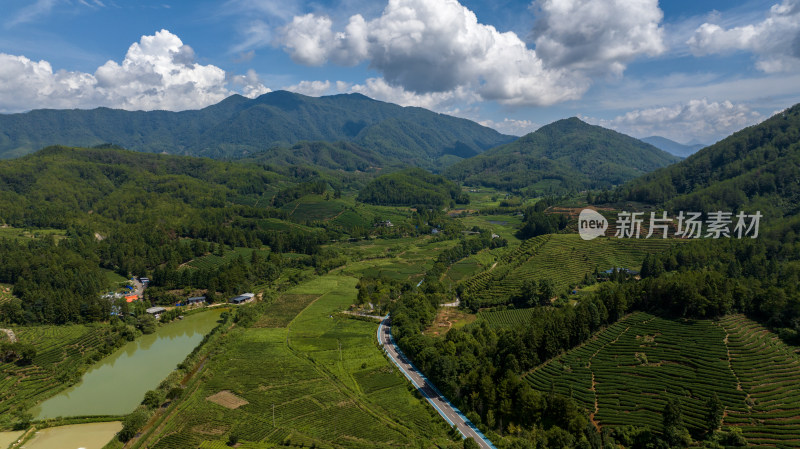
<point x="322" y="375"/>
<point x="626" y="373"/>
<point x="62" y="354"/>
<point x="564" y="259"/>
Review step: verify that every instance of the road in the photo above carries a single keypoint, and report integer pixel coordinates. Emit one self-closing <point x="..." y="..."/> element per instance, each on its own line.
<point x="450" y="414"/>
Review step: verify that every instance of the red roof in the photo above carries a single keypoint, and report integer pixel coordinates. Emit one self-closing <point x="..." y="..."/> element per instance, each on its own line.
<point x="131" y="298"/>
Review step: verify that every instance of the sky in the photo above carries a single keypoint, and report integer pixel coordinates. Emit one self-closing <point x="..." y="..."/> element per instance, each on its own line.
<point x="692" y="71"/>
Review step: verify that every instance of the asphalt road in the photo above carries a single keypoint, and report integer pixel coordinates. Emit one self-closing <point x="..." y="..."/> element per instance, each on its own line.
<point x="439" y="402"/>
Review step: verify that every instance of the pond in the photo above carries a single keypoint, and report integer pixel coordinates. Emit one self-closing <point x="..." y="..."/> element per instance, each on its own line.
<point x="76" y="436"/>
<point x="117" y="384"/>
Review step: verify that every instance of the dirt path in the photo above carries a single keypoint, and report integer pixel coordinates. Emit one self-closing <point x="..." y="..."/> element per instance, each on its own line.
<point x="747" y="400"/>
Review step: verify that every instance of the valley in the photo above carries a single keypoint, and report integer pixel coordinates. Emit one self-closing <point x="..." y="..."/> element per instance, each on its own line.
<point x="537" y="336"/>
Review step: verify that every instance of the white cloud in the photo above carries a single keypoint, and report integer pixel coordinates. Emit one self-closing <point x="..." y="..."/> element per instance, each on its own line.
<point x="312" y="88"/>
<point x="433" y="47"/>
<point x="512" y="126"/>
<point x="32" y="11"/>
<point x="775" y="40"/>
<point x="249" y="84"/>
<point x="379" y="89"/>
<point x="438" y="46"/>
<point x="158" y="72"/>
<point x="597" y="36"/>
<point x="698" y="120"/>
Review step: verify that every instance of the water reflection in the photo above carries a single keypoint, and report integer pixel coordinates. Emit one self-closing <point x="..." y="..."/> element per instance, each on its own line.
<point x="116" y="384"/>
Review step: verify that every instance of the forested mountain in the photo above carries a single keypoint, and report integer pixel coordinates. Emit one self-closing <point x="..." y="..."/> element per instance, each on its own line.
<point x="757" y="167"/>
<point x="567" y="154"/>
<point x="672" y="147"/>
<point x="139" y="214"/>
<point x="340" y="155"/>
<point x="238" y="126"/>
<point x="412" y="187"/>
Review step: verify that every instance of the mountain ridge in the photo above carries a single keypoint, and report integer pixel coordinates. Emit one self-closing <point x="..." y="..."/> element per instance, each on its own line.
<point x="238" y="126"/>
<point x="566" y="154"/>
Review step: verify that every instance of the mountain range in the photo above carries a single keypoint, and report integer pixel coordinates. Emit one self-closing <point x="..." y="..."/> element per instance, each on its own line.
<point x="566" y="154"/>
<point x="238" y="126"/>
<point x="672" y="147"/>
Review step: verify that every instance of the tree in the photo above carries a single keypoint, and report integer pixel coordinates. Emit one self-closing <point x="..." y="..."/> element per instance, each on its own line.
<point x="714" y="413"/>
<point x="674" y="431"/>
<point x="132" y="423"/>
<point x="546" y="291"/>
<point x="233" y="439"/>
<point x="469" y="443"/>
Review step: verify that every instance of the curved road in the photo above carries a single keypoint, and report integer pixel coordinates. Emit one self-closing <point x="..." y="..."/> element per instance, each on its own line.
<point x="450" y="414"/>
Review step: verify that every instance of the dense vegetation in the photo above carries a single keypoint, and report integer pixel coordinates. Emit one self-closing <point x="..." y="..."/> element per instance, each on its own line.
<point x="757" y="167"/>
<point x="238" y="127"/>
<point x="412" y="187"/>
<point x="139" y="214"/>
<point x="567" y="154"/>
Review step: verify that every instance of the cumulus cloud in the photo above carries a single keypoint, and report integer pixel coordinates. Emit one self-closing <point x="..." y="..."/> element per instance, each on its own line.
<point x="695" y="120"/>
<point x="438" y="46"/>
<point x="158" y="72"/>
<point x="426" y="47"/>
<point x="597" y="36"/>
<point x="311" y="88"/>
<point x="775" y="41"/>
<point x="512" y="126"/>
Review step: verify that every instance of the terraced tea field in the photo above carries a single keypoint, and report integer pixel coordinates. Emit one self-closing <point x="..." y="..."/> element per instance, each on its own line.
<point x="563" y="258"/>
<point x="62" y="353"/>
<point x="626" y="374"/>
<point x="321" y="375"/>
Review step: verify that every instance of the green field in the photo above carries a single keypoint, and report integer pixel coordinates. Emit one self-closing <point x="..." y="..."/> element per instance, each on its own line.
<point x="626" y="374"/>
<point x="229" y="255"/>
<point x="62" y="354"/>
<point x="327" y="382"/>
<point x="506" y="318"/>
<point x="564" y="259"/>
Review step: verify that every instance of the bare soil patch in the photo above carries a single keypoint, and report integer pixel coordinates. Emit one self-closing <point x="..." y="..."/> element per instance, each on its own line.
<point x="227" y="399"/>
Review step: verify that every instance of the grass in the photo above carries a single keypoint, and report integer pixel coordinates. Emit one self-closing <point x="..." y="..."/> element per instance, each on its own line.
<point x="449" y="318"/>
<point x="327" y="382"/>
<point x="633" y="367"/>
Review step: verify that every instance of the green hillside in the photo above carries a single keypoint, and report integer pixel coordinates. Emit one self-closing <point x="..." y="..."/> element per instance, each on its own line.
<point x="412" y="187"/>
<point x="567" y="154"/>
<point x="238" y="126"/>
<point x="757" y="167"/>
<point x="625" y="375"/>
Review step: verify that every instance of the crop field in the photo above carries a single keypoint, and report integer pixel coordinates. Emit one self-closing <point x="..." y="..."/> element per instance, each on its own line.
<point x="626" y="373"/>
<point x="562" y="258"/>
<point x="399" y="259"/>
<point x="506" y="318"/>
<point x="769" y="372"/>
<point x="319" y="381"/>
<point x="61" y="355"/>
<point x="229" y="255"/>
<point x="314" y="208"/>
<point x="503" y="225"/>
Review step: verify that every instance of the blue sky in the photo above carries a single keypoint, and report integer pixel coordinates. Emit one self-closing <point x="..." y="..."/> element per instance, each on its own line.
<point x="686" y="70"/>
